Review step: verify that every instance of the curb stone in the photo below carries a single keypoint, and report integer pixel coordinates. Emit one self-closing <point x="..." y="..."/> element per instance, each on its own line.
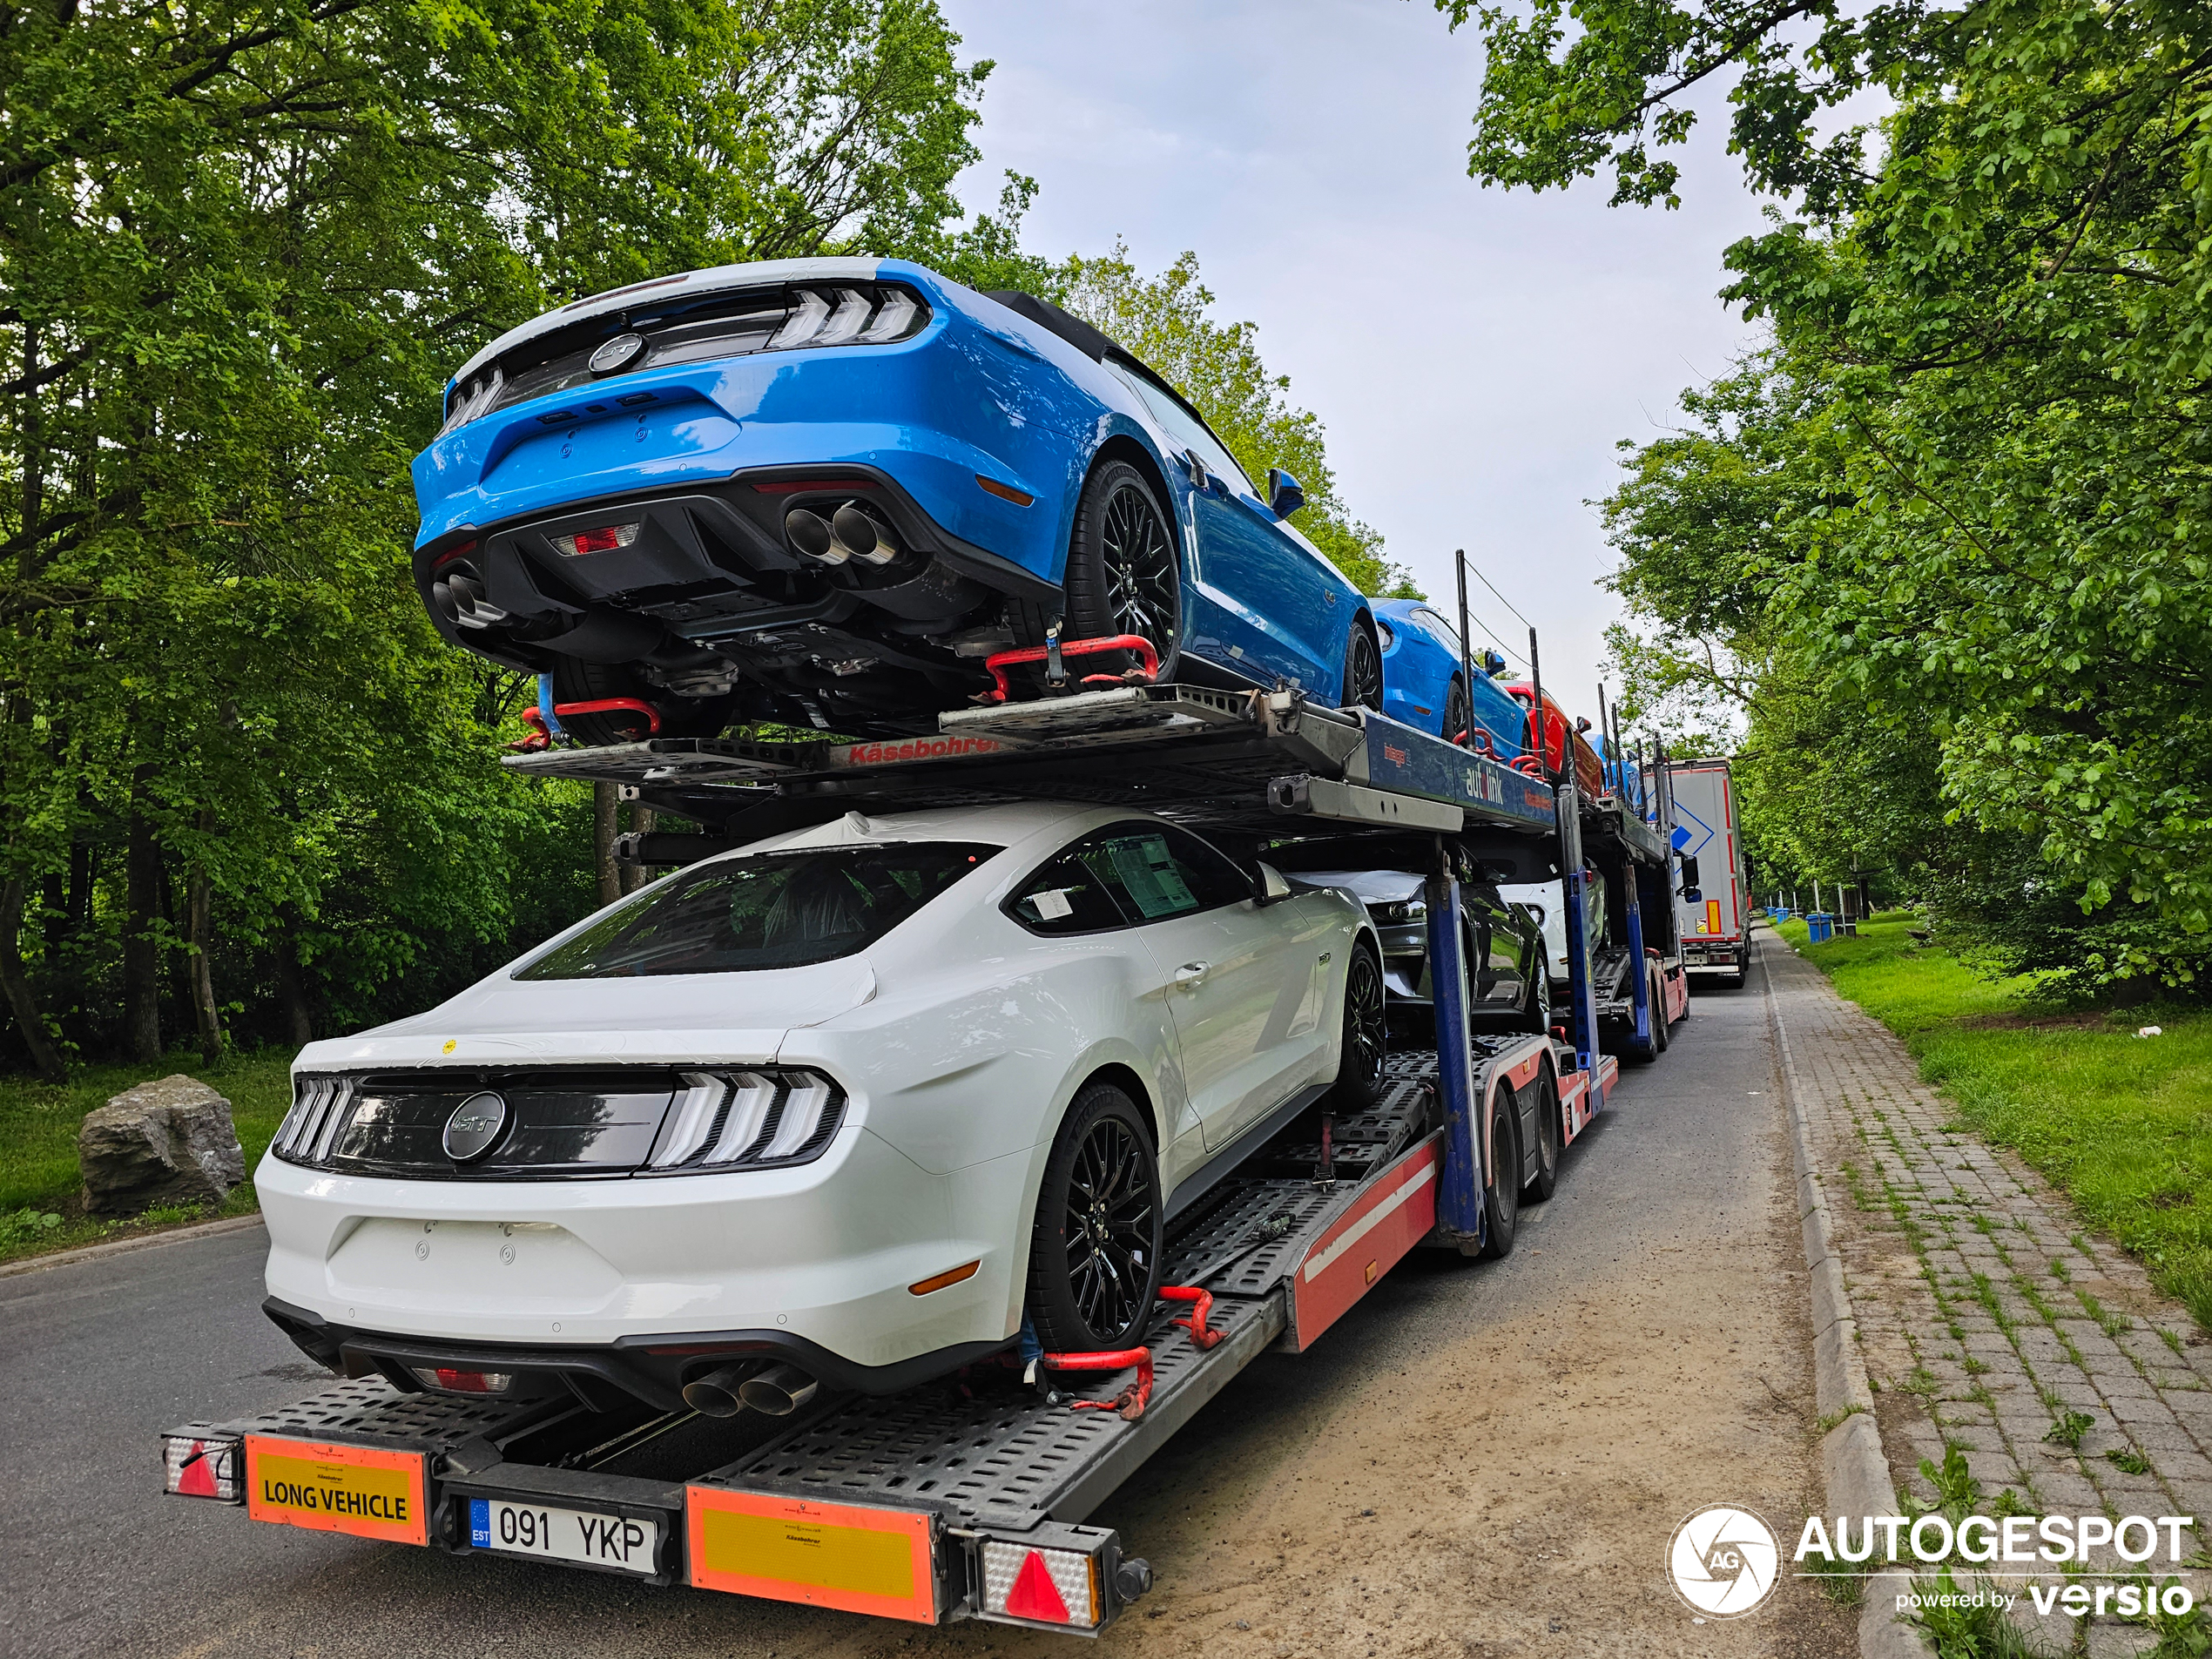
<point x="1854" y="1467"/>
<point x="121" y="1246"/>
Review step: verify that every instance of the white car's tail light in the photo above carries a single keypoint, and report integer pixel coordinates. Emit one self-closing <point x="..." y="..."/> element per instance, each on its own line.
<point x="202" y="1466"/>
<point x="1041" y="1586"/>
<point x="748" y="1119"/>
<point x="320" y="1108"/>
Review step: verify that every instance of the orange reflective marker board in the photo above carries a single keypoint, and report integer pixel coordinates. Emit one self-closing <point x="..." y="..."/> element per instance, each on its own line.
<point x="825" y="1555"/>
<point x="369" y="1493"/>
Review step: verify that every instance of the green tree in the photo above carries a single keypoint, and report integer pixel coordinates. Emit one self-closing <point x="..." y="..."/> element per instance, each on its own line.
<point x="1985" y="405"/>
<point x="240" y="245"/>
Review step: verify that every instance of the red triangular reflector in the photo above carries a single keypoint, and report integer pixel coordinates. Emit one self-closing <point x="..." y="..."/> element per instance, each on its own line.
<point x="1035" y="1596"/>
<point x="197" y="1478"/>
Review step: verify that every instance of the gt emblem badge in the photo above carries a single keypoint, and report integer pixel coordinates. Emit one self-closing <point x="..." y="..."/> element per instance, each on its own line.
<point x="474" y="1127"/>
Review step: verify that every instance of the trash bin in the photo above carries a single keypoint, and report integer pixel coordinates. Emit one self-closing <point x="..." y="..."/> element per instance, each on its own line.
<point x="1821" y="926"/>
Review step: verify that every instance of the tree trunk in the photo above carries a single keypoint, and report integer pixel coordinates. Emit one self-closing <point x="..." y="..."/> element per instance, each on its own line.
<point x="291" y="982"/>
<point x="642" y="820"/>
<point x="141" y="958"/>
<point x="605" y="802"/>
<point x="44" y="1055"/>
<point x="199" y="933"/>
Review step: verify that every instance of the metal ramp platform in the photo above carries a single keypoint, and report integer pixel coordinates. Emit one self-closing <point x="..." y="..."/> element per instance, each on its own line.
<point x="1244" y="762"/>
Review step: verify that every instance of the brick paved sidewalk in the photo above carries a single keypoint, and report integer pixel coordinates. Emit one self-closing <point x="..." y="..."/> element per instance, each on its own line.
<point x="1988" y="1318"/>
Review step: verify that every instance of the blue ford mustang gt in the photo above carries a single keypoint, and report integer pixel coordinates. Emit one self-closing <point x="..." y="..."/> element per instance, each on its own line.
<point x="1424" y="684"/>
<point x="830" y="491"/>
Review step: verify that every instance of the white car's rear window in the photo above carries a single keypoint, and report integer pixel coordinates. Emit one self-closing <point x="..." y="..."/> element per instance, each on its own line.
<point x="771" y="910"/>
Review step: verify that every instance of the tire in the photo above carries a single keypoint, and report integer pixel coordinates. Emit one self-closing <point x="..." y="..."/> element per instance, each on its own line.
<point x="1366" y="1036"/>
<point x="1659" y="1037"/>
<point x="577" y="681"/>
<point x="1551" y="1136"/>
<point x="1501" y="1193"/>
<point x="1363" y="678"/>
<point x="1095" y="1248"/>
<point x="1456" y="715"/>
<point x="1123" y="576"/>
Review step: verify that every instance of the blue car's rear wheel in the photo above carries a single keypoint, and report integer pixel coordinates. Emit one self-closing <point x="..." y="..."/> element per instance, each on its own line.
<point x="1123" y="576"/>
<point x="1363" y="678"/>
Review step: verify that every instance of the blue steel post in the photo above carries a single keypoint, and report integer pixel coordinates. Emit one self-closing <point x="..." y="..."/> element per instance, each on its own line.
<point x="1459" y="1203"/>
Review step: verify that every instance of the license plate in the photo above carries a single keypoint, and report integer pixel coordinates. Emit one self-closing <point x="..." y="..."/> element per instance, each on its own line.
<point x="619" y="1541"/>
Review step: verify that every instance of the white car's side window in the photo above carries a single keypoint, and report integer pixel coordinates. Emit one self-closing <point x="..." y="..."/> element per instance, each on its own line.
<point x="1125" y="876"/>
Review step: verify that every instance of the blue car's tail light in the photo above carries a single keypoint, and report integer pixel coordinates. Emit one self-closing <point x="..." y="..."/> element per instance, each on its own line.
<point x="750" y="1120"/>
<point x="657" y="335"/>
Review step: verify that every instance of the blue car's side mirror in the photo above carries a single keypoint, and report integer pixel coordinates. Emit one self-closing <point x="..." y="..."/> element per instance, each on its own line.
<point x="1284" y="495"/>
<point x="1493" y="664"/>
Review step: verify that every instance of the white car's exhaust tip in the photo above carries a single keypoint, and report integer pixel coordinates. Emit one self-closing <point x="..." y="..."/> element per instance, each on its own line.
<point x="776" y="1391"/>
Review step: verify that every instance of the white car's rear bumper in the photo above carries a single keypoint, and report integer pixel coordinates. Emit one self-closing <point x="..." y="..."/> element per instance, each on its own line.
<point x="816" y="1256"/>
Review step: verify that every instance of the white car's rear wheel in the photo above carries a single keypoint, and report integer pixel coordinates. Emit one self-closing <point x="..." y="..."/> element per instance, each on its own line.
<point x="1366" y="1035"/>
<point x="1095" y="1252"/>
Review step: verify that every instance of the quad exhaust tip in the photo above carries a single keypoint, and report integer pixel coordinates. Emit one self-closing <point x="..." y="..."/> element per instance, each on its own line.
<point x="776" y="1391"/>
<point x="851" y="532"/>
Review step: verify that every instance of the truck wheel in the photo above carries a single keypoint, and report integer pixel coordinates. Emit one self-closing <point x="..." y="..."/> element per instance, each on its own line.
<point x="1366" y="1036"/>
<point x="1094" y="1251"/>
<point x="1659" y="1037"/>
<point x="1550" y="1137"/>
<point x="1501" y="1195"/>
<point x="1123" y="576"/>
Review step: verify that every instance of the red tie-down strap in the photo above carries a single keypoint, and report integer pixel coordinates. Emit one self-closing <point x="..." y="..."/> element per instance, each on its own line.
<point x="539" y="737"/>
<point x="1201" y="1310"/>
<point x="1132" y="1401"/>
<point x="613" y="705"/>
<point x="999" y="664"/>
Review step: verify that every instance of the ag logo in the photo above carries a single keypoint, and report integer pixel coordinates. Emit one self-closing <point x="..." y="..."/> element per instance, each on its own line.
<point x="1724" y="1560"/>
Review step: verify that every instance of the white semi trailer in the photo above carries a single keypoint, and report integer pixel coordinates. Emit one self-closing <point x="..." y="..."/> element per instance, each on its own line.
<point x="1713" y="903"/>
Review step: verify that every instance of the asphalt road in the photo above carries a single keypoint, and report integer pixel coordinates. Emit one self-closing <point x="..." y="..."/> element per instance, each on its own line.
<point x="1684" y="1179"/>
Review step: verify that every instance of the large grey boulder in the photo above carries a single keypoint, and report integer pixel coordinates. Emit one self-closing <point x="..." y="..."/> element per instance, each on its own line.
<point x="166" y="1141"/>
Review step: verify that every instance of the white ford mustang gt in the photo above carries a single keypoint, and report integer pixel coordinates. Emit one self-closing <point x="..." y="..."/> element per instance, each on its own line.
<point x="837" y="1108"/>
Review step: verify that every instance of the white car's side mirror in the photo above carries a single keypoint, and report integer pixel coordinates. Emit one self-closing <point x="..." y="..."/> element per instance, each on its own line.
<point x="1272" y="886"/>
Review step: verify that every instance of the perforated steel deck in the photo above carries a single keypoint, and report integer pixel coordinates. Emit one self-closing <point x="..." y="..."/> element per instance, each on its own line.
<point x="370" y="1412"/>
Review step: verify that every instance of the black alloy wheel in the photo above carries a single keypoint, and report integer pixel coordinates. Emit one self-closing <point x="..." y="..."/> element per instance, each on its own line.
<point x="1551" y="1139"/>
<point x="1456" y="710"/>
<point x="1123" y="576"/>
<point x="1366" y="1035"/>
<point x="1362" y="678"/>
<point x="1501" y="1190"/>
<point x="1095" y="1252"/>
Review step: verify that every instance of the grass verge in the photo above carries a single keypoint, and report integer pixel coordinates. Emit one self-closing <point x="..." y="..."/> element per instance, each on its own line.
<point x="2122" y="1124"/>
<point x="41" y="1203"/>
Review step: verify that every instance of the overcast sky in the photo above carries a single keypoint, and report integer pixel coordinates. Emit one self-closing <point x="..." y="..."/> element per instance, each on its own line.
<point x="1474" y="355"/>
